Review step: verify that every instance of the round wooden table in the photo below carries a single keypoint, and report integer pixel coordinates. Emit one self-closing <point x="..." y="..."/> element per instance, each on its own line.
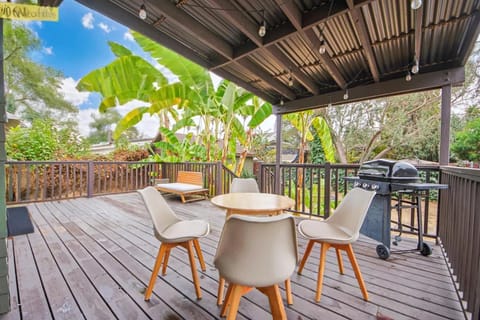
<point x="253" y="203"/>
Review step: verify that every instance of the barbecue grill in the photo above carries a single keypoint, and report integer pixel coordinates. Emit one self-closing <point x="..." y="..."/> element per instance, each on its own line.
<point x="387" y="177"/>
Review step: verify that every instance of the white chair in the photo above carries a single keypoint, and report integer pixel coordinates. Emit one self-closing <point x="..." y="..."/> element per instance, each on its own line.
<point x="172" y="231"/>
<point x="256" y="252"/>
<point x="244" y="185"/>
<point x="339" y="231"/>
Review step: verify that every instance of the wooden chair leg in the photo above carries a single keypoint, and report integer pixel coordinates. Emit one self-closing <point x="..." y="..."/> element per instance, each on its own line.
<point x="321" y="269"/>
<point x="356" y="269"/>
<point x="196" y="244"/>
<point x="234" y="301"/>
<point x="226" y="302"/>
<point x="276" y="303"/>
<point x="196" y="281"/>
<point x="165" y="261"/>
<point x="288" y="290"/>
<point x="221" y="287"/>
<point x="339" y="260"/>
<point x="305" y="256"/>
<point x="156" y="268"/>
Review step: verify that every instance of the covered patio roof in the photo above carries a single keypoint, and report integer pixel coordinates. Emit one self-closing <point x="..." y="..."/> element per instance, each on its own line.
<point x="371" y="45"/>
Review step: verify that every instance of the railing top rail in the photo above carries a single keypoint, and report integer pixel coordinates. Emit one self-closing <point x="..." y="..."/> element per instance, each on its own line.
<point x="468" y="173"/>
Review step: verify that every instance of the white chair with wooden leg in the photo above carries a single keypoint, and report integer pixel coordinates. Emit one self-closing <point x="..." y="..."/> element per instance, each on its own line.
<point x="339" y="231"/>
<point x="172" y="231"/>
<point x="244" y="185"/>
<point x="256" y="252"/>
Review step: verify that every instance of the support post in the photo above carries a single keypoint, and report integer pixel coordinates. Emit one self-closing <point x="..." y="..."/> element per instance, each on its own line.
<point x="278" y="153"/>
<point x="445" y="125"/>
<point x="4" y="289"/>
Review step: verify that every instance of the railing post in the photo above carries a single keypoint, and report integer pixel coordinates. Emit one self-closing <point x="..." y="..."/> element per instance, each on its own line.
<point x="258" y="176"/>
<point x="218" y="179"/>
<point x="326" y="207"/>
<point x="90" y="179"/>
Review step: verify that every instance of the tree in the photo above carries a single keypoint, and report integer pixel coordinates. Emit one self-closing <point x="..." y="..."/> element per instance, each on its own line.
<point x="44" y="141"/>
<point x="31" y="88"/>
<point x="102" y="124"/>
<point x="467" y="142"/>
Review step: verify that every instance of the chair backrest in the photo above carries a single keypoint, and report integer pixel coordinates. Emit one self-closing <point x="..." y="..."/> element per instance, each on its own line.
<point x="257" y="251"/>
<point x="191" y="177"/>
<point x="161" y="213"/>
<point x="244" y="185"/>
<point x="351" y="212"/>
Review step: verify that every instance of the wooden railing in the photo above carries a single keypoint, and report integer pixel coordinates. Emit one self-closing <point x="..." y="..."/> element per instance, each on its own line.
<point x="30" y="181"/>
<point x="459" y="225"/>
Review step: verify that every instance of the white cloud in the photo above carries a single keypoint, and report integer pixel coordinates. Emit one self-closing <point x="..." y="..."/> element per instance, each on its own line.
<point x="147" y="127"/>
<point x="47" y="50"/>
<point x="71" y="93"/>
<point x="104" y="27"/>
<point x="87" y="21"/>
<point x="128" y="36"/>
<point x="84" y="119"/>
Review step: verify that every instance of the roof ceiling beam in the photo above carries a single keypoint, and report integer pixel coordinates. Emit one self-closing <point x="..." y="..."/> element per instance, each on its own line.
<point x="472" y="34"/>
<point x="190" y="25"/>
<point x="295" y="16"/>
<point x="309" y="20"/>
<point x="361" y="27"/>
<point x="250" y="30"/>
<point x="327" y="62"/>
<point x="297" y="73"/>
<point x="267" y="78"/>
<point x="421" y="82"/>
<point x="115" y="12"/>
<point x="239" y="20"/>
<point x="418" y="33"/>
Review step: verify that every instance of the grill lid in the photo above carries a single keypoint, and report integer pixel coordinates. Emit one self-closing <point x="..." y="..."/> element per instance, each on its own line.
<point x="388" y="170"/>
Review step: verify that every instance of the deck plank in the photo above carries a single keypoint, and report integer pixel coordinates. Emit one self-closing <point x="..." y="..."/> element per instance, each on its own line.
<point x="104" y="248"/>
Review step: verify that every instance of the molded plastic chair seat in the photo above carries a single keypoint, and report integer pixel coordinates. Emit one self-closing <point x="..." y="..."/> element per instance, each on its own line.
<point x="311" y="229"/>
<point x="256" y="252"/>
<point x="339" y="231"/>
<point x="184" y="231"/>
<point x="173" y="231"/>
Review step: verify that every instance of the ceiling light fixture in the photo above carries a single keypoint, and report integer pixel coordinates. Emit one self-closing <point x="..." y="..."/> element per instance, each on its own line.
<point x="142" y="12"/>
<point x="415" y="4"/>
<point x="408" y="77"/>
<point x="323" y="48"/>
<point x="345" y="96"/>
<point x="415" y="67"/>
<point x="281" y="102"/>
<point x="262" y="30"/>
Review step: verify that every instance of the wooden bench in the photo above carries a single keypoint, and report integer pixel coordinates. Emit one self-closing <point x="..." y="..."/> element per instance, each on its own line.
<point x="188" y="184"/>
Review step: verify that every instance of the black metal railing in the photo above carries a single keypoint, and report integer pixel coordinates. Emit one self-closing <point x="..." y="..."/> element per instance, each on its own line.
<point x="458" y="231"/>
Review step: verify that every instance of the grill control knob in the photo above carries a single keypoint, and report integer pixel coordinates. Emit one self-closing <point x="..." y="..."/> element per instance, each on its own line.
<point x="375" y="186"/>
<point x="365" y="185"/>
<point x="357" y="184"/>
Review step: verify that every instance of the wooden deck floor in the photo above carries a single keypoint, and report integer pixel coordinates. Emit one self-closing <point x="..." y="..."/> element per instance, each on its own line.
<point x="91" y="258"/>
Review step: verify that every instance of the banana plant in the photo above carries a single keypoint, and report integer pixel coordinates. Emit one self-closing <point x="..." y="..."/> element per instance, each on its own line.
<point x="130" y="77"/>
<point x="258" y="113"/>
<point x="304" y="122"/>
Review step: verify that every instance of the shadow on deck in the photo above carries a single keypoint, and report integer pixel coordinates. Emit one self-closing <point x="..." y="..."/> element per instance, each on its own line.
<point x="92" y="258"/>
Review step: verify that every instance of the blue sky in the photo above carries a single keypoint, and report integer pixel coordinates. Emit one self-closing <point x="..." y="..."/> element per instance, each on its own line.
<point x="78" y="41"/>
